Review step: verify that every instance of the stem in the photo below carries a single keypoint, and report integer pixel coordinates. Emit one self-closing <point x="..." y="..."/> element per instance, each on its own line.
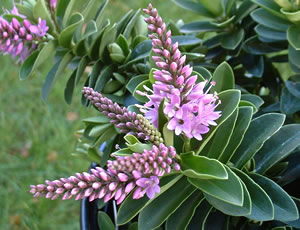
<point x="187" y="143"/>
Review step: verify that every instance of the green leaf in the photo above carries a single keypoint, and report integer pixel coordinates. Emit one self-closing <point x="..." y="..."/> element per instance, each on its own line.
<point x="183" y="215"/>
<point x="40" y="10"/>
<point x="293" y="87"/>
<point x="293" y="36"/>
<point x="243" y="11"/>
<point x="295" y="223"/>
<point x="214" y="6"/>
<point x="100" y="14"/>
<point x="109" y="36"/>
<point x="268" y="33"/>
<point x="203" y="72"/>
<point x="56" y="70"/>
<point x="201" y="167"/>
<point x="129" y="27"/>
<point x="228" y="5"/>
<point x="285" y="208"/>
<point x="254" y="99"/>
<point x="141" y="88"/>
<point x="294" y="56"/>
<point x="75" y="6"/>
<point x="105" y="222"/>
<point x="81" y="68"/>
<point x="231" y="40"/>
<point x="224" y="78"/>
<point x="293" y="17"/>
<point x="260" y="130"/>
<point x="194" y="7"/>
<point x="278" y="147"/>
<point x="253" y="46"/>
<point x="217" y="144"/>
<point x="230" y="190"/>
<point x="270" y="6"/>
<point x="65" y="37"/>
<point x="90" y="10"/>
<point x="289" y="104"/>
<point x="162" y="119"/>
<point x="199" y="26"/>
<point x="103" y="78"/>
<point x="94" y="154"/>
<point x="168" y="136"/>
<point x="199" y="219"/>
<point x="262" y="207"/>
<point x="130" y="208"/>
<point x="230" y="100"/>
<point x="123" y="22"/>
<point x="94" y="74"/>
<point x="186" y="40"/>
<point x="109" y="133"/>
<point x="99" y="129"/>
<point x="122" y="152"/>
<point x="241" y="126"/>
<point x="69" y="89"/>
<point x="164" y="205"/>
<point x="123" y="43"/>
<point x="230" y="209"/>
<point x="25" y="10"/>
<point x="100" y="119"/>
<point x="269" y="20"/>
<point x="135" y="81"/>
<point x="28" y="65"/>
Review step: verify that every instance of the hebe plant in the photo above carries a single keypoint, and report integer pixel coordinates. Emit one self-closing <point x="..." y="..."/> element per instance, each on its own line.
<point x="196" y="148"/>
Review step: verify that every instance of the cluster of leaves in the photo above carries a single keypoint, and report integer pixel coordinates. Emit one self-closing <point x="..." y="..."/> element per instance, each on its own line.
<point x="239" y="168"/>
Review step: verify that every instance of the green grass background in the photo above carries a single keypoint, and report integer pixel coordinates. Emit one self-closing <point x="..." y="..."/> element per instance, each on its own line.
<point x="37" y="138"/>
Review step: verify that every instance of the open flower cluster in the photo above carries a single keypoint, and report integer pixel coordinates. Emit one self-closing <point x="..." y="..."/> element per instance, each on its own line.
<point x="139" y="171"/>
<point x="190" y="108"/>
<point x="20" y="38"/>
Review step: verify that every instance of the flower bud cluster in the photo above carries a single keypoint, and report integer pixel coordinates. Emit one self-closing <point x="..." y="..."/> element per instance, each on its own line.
<point x="123" y="175"/>
<point x="126" y="121"/>
<point x="189" y="107"/>
<point x="20" y="38"/>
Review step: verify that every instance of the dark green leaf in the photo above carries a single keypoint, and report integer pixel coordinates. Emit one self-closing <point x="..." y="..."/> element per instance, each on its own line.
<point x="262" y="208"/>
<point x="293" y="36"/>
<point x="162" y="119"/>
<point x="109" y="36"/>
<point x="230" y="209"/>
<point x="289" y="104"/>
<point x="122" y="42"/>
<point x="100" y="119"/>
<point x="128" y="29"/>
<point x="103" y="78"/>
<point x="186" y="40"/>
<point x="183" y="215"/>
<point x="270" y="6"/>
<point x="90" y="10"/>
<point x="74" y="6"/>
<point x="279" y="146"/>
<point x="269" y="20"/>
<point x="224" y="78"/>
<point x="81" y="68"/>
<point x="231" y="40"/>
<point x="195" y="7"/>
<point x="253" y="46"/>
<point x="168" y="136"/>
<point x="270" y="33"/>
<point x="199" y="26"/>
<point x="260" y="130"/>
<point x="204" y="72"/>
<point x="100" y="14"/>
<point x="135" y="81"/>
<point x="296" y="223"/>
<point x="293" y="87"/>
<point x="28" y="65"/>
<point x="254" y="64"/>
<point x="70" y="88"/>
<point x="105" y="222"/>
<point x="200" y="216"/>
<point x="202" y="167"/>
<point x="217" y="144"/>
<point x="230" y="190"/>
<point x="254" y="99"/>
<point x="65" y="37"/>
<point x="244" y="10"/>
<point x="154" y="214"/>
<point x="285" y="208"/>
<point x="248" y="104"/>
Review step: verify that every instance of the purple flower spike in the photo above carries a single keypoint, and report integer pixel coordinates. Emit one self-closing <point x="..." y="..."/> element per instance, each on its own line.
<point x="40" y="29"/>
<point x="191" y="109"/>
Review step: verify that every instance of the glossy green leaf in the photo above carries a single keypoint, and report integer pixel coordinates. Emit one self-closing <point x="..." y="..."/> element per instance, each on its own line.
<point x="260" y="130"/>
<point x="94" y="74"/>
<point x="232" y="40"/>
<point x="279" y="146"/>
<point x="91" y="10"/>
<point x="270" y="33"/>
<point x="230" y="209"/>
<point x="109" y="133"/>
<point x="294" y="56"/>
<point x="293" y="36"/>
<point x="230" y="100"/>
<point x="216" y="220"/>
<point x="293" y="17"/>
<point x="253" y="46"/>
<point x="230" y="190"/>
<point x="289" y="104"/>
<point x="69" y="89"/>
<point x="99" y="129"/>
<point x="217" y="144"/>
<point x="285" y="208"/>
<point x="195" y="7"/>
<point x="254" y="99"/>
<point x="100" y="14"/>
<point x="224" y="78"/>
<point x="122" y="42"/>
<point x="135" y="81"/>
<point x="65" y="37"/>
<point x="200" y="216"/>
<point x="241" y="126"/>
<point x="56" y="71"/>
<point x="269" y="20"/>
<point x="183" y="215"/>
<point x="165" y="204"/>
<point x="100" y="119"/>
<point x="130" y="207"/>
<point x="129" y="27"/>
<point x="27" y="67"/>
<point x="105" y="222"/>
<point x="270" y="6"/>
<point x="201" y="167"/>
<point x="103" y="78"/>
<point x="40" y="10"/>
<point x="262" y="207"/>
<point x="141" y="88"/>
<point x="203" y="72"/>
<point x="186" y="40"/>
<point x="244" y="10"/>
<point x="109" y="36"/>
<point x="295" y="223"/>
<point x="123" y="22"/>
<point x="81" y="68"/>
<point x="293" y="87"/>
<point x="248" y="104"/>
<point x="199" y="26"/>
<point x="74" y="6"/>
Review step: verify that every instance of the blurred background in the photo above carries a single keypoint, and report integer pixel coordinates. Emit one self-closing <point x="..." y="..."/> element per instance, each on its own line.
<point x="37" y="138"/>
